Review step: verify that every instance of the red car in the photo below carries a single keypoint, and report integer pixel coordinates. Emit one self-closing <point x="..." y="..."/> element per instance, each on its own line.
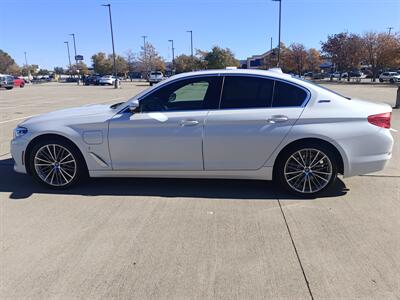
<point x="19" y="82"/>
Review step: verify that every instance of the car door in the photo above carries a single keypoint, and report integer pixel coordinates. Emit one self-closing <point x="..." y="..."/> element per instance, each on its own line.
<point x="166" y="132"/>
<point x="254" y="117"/>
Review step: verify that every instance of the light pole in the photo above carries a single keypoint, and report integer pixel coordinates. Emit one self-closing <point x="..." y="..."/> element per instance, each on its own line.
<point x="173" y="56"/>
<point x="76" y="62"/>
<point x="69" y="58"/>
<point x="279" y="35"/>
<point x="191" y="42"/>
<point x="27" y="68"/>
<point x="144" y="53"/>
<point x="390" y="29"/>
<point x="112" y="41"/>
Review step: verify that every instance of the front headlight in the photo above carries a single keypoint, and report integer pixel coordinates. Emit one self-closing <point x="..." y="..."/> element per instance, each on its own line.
<point x="19" y="131"/>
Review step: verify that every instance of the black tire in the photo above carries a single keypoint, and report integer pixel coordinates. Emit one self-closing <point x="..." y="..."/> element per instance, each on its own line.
<point x="9" y="88"/>
<point x="79" y="174"/>
<point x="151" y="84"/>
<point x="22" y="85"/>
<point x="391" y="80"/>
<point x="380" y="80"/>
<point x="285" y="159"/>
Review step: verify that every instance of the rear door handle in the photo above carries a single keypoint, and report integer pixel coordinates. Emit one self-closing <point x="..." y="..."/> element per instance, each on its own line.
<point x="189" y="123"/>
<point x="277" y="119"/>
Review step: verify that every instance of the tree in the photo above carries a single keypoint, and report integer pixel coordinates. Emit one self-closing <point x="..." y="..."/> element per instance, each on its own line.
<point x="43" y="72"/>
<point x="381" y="51"/>
<point x="314" y="59"/>
<point x="101" y="65"/>
<point x="187" y="63"/>
<point x="345" y="50"/>
<point x="8" y="64"/>
<point x="120" y="64"/>
<point x="149" y="59"/>
<point x="296" y="58"/>
<point x="219" y="58"/>
<point x="59" y="70"/>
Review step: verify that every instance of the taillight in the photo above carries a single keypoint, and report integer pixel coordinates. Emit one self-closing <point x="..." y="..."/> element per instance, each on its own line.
<point x="381" y="120"/>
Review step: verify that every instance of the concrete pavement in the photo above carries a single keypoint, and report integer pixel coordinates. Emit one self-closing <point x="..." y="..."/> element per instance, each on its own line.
<point x="192" y="239"/>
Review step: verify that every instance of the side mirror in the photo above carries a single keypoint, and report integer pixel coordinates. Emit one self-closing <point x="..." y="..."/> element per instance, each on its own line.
<point x="134" y="106"/>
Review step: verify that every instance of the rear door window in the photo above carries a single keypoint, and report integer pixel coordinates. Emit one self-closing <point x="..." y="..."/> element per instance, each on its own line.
<point x="286" y="95"/>
<point x="246" y="92"/>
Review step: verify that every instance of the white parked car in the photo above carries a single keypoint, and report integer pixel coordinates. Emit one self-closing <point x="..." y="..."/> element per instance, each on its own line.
<point x="155" y="77"/>
<point x="108" y="79"/>
<point x="389" y="76"/>
<point x="249" y="124"/>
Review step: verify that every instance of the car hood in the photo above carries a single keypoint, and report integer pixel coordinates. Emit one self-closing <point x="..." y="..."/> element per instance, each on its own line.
<point x="74" y="115"/>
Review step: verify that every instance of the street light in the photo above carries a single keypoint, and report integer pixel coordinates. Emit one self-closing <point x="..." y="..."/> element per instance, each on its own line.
<point x="173" y="56"/>
<point x="390" y="29"/>
<point x="69" y="58"/>
<point x="191" y="41"/>
<point x="144" y="54"/>
<point x="76" y="62"/>
<point x="112" y="41"/>
<point x="279" y="36"/>
<point x="27" y="68"/>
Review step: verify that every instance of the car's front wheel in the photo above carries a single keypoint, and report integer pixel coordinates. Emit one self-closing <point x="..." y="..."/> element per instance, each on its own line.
<point x="307" y="170"/>
<point x="56" y="164"/>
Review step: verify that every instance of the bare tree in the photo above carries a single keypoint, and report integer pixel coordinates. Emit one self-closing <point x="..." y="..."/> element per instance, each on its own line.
<point x="149" y="59"/>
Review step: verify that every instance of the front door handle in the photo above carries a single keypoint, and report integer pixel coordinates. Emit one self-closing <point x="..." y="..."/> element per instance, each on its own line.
<point x="277" y="119"/>
<point x="189" y="123"/>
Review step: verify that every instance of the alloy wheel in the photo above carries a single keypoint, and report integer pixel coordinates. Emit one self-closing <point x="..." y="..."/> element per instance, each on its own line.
<point x="55" y="165"/>
<point x="308" y="170"/>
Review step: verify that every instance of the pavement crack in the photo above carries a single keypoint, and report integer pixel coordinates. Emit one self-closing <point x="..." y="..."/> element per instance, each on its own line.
<point x="295" y="250"/>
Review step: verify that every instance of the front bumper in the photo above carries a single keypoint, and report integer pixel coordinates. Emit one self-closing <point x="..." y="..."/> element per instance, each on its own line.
<point x="17" y="149"/>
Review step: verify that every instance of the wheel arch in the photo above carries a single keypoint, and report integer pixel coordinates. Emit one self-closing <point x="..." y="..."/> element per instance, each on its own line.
<point x="304" y="141"/>
<point x="49" y="136"/>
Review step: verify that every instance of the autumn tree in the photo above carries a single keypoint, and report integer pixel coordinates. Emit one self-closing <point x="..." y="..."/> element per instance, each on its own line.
<point x="296" y="58"/>
<point x="314" y="59"/>
<point x="218" y="58"/>
<point x="381" y="51"/>
<point x="345" y="50"/>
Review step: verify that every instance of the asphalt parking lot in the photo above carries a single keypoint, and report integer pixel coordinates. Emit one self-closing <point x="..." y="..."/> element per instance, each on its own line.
<point x="193" y="239"/>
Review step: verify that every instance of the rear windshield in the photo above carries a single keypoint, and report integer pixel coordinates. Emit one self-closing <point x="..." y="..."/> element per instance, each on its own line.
<point x="322" y="87"/>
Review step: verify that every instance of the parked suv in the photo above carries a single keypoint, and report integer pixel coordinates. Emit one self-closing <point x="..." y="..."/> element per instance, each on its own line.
<point x="6" y="81"/>
<point x="155" y="77"/>
<point x="389" y="76"/>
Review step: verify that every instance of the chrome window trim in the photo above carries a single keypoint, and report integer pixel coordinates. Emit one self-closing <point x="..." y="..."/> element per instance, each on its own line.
<point x="304" y="104"/>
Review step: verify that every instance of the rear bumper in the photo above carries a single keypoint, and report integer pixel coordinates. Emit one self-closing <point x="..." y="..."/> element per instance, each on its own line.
<point x="366" y="158"/>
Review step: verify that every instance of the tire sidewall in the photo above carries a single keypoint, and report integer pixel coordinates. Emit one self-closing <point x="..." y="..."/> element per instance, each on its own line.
<point x="279" y="172"/>
<point x="80" y="171"/>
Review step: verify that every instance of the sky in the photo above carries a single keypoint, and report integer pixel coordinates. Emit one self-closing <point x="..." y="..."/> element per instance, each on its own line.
<point x="40" y="27"/>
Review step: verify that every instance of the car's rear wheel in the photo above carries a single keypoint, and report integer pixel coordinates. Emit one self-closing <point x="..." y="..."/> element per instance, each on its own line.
<point x="22" y="85"/>
<point x="307" y="170"/>
<point x="9" y="88"/>
<point x="380" y="80"/>
<point x="56" y="164"/>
